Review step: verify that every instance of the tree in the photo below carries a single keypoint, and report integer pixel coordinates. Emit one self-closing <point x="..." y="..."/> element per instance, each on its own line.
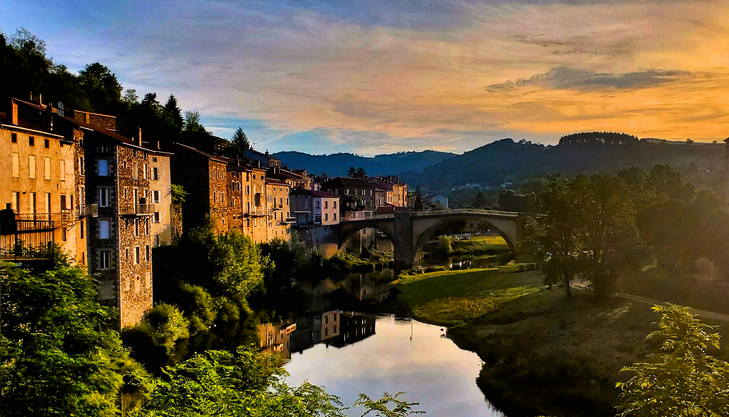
<point x="57" y="356"/>
<point x="175" y="113"/>
<point x="480" y="200"/>
<point x="102" y="88"/>
<point x="240" y="142"/>
<point x="683" y="380"/>
<point x="607" y="226"/>
<point x="560" y="233"/>
<point x="192" y="122"/>
<point x="360" y="173"/>
<point x="418" y="205"/>
<point x="351" y="172"/>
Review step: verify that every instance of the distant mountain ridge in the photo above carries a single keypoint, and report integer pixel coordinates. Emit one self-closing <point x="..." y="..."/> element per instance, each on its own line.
<point x="387" y="164"/>
<point x="506" y="160"/>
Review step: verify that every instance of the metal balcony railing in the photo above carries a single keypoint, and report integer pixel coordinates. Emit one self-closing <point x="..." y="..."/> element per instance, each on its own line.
<point x="137" y="210"/>
<point x="259" y="213"/>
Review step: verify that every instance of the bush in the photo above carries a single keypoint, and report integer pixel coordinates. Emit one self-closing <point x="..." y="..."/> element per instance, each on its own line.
<point x="199" y="306"/>
<point x="166" y="324"/>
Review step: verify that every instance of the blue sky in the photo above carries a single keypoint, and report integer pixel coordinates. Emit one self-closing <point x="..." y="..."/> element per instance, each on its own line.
<point x="382" y="76"/>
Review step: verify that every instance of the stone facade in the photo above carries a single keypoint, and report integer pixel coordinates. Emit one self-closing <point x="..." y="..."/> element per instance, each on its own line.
<point x="277" y="196"/>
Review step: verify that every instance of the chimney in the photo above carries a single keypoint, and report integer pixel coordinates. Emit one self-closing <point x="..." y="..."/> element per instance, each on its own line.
<point x="158" y="148"/>
<point x="139" y="138"/>
<point x="14" y="112"/>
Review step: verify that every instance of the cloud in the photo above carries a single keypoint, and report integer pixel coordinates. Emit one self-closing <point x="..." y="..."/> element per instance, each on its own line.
<point x="579" y="79"/>
<point x="399" y="75"/>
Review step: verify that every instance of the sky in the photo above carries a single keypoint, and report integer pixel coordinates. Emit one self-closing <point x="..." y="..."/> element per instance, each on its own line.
<point x="385" y="76"/>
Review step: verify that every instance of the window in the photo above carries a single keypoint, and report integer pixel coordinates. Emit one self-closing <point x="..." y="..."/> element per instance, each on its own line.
<point x="14" y="137"/>
<point x="47" y="168"/>
<point x="82" y="229"/>
<point x="326" y="216"/>
<point x="135" y="170"/>
<point x="326" y="204"/>
<point x="103" y="229"/>
<point x="144" y="171"/>
<point x="155" y="196"/>
<point x="31" y="141"/>
<point x="136" y="227"/>
<point x="156" y="216"/>
<point x="103" y="167"/>
<point x="47" y="143"/>
<point x="33" y="208"/>
<point x="335" y="216"/>
<point x="64" y="234"/>
<point x="16" y="201"/>
<point x="31" y="166"/>
<point x="136" y="255"/>
<point x="346" y="191"/>
<point x="146" y="227"/>
<point x="335" y="204"/>
<point x="155" y="172"/>
<point x="62" y="170"/>
<point x="154" y="159"/>
<point x="104" y="197"/>
<point x="104" y="259"/>
<point x="146" y="253"/>
<point x="16" y="165"/>
<point x="48" y="203"/>
<point x="156" y="240"/>
<point x="81" y="167"/>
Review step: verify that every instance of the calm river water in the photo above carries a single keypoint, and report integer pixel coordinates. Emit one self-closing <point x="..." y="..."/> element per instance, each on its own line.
<point x="430" y="368"/>
<point x="351" y="352"/>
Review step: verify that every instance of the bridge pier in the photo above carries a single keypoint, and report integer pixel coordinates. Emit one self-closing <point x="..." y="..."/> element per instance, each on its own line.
<point x="403" y="241"/>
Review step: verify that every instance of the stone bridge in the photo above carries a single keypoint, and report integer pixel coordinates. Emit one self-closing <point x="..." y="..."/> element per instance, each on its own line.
<point x="409" y="231"/>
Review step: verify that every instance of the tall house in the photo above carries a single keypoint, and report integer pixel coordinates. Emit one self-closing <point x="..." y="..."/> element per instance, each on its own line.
<point x="359" y="198"/>
<point x="38" y="183"/>
<point x="396" y="193"/>
<point x="122" y="180"/>
<point x="205" y="178"/>
<point x="314" y="208"/>
<point x="257" y="206"/>
<point x="280" y="220"/>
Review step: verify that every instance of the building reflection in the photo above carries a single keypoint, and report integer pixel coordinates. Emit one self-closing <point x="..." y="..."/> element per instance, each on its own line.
<point x="334" y="328"/>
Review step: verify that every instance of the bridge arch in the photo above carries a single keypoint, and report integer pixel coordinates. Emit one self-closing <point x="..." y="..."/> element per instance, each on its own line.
<point x="426" y="235"/>
<point x="349" y="229"/>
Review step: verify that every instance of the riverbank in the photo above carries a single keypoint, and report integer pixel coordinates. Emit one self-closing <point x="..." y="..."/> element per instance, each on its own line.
<point x="543" y="353"/>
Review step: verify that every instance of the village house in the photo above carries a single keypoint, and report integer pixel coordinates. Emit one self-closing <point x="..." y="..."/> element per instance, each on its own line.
<point x="39" y="186"/>
<point x="277" y="195"/>
<point x="314" y="208"/>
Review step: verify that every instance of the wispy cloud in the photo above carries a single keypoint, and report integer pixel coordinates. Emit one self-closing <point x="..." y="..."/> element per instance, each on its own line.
<point x="390" y="75"/>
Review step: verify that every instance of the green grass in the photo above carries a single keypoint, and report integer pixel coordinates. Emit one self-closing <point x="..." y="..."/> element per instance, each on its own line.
<point x="455" y="297"/>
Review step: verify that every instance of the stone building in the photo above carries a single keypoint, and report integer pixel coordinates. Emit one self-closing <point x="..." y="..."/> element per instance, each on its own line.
<point x="396" y="193"/>
<point x="359" y="197"/>
<point x="39" y="184"/>
<point x="123" y="179"/>
<point x="314" y="208"/>
<point x="204" y="177"/>
<point x="279" y="220"/>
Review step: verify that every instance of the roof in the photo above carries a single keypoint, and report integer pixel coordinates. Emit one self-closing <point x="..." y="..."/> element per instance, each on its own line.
<point x="276" y="181"/>
<point x="350" y="182"/>
<point x="323" y="194"/>
<point x="191" y="149"/>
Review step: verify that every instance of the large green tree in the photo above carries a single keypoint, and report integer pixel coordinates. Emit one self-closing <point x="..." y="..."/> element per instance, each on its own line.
<point x="102" y="88"/>
<point x="57" y="355"/>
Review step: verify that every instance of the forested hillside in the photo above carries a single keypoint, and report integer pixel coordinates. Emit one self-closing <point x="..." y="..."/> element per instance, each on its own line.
<point x="338" y="164"/>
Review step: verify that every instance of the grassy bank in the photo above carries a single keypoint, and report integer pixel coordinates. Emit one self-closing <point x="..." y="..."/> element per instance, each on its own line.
<point x="565" y="353"/>
<point x="543" y="353"/>
<point x="450" y="298"/>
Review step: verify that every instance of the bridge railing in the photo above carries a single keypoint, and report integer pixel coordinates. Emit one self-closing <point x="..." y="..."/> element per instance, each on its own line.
<point x="436" y="213"/>
<point x="465" y="211"/>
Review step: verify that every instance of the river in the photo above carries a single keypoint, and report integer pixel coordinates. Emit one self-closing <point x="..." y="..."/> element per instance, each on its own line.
<point x="351" y="352"/>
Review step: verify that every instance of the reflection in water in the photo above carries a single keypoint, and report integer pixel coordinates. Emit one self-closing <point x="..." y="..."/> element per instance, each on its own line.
<point x="404" y="355"/>
<point x="333" y="328"/>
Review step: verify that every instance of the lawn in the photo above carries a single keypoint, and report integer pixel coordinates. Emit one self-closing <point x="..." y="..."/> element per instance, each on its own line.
<point x="451" y="298"/>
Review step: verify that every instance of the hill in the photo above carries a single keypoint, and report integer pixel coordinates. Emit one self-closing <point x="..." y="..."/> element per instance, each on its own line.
<point x="338" y="164"/>
<point x="506" y="160"/>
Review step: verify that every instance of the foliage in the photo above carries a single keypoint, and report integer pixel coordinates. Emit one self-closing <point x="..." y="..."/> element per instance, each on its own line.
<point x="192" y="122"/>
<point x="598" y="138"/>
<point x="380" y="407"/>
<point x="247" y="383"/>
<point x="101" y="87"/>
<point x="239" y="143"/>
<point x="178" y="194"/>
<point x="199" y="306"/>
<point x="56" y="355"/>
<point x="683" y="380"/>
<point x="480" y="200"/>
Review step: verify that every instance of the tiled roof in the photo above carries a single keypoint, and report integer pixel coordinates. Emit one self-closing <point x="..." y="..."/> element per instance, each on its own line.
<point x="190" y="148"/>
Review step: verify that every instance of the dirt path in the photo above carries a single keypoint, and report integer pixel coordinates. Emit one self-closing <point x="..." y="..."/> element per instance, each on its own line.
<point x="583" y="285"/>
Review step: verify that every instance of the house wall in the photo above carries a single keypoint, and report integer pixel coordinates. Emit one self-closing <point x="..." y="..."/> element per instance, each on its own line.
<point x="162" y="220"/>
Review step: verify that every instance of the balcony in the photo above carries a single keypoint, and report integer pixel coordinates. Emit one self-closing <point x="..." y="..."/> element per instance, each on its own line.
<point x="288" y="220"/>
<point x="137" y="210"/>
<point x="259" y="213"/>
